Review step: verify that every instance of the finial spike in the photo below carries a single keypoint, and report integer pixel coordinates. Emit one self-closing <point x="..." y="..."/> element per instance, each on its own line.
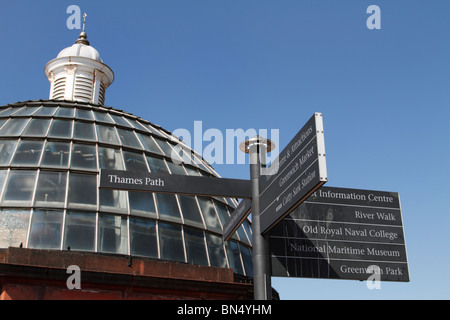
<point x="84" y="21"/>
<point x="83" y="37"/>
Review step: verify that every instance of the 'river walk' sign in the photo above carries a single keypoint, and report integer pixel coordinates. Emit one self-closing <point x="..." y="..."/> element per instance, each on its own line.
<point x="342" y="233"/>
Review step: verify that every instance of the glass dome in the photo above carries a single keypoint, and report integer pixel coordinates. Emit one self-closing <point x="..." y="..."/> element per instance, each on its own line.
<point x="50" y="156"/>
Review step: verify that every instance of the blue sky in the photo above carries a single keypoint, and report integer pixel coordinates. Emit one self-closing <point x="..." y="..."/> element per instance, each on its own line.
<point x="384" y="94"/>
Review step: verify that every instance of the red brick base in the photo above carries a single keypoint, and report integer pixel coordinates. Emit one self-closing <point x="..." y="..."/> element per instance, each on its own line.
<point x="31" y="274"/>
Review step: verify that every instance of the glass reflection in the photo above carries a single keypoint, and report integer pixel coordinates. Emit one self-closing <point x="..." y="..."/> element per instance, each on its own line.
<point x="195" y="246"/>
<point x="6" y="150"/>
<point x="46" y="227"/>
<point x="112" y="234"/>
<point x="51" y="188"/>
<point x="216" y="252"/>
<point x="56" y="155"/>
<point x="19" y="186"/>
<point x="28" y="153"/>
<point x="60" y="129"/>
<point x="167" y="207"/>
<point x="170" y="241"/>
<point x="83" y="157"/>
<point x="82" y="189"/>
<point x="79" y="231"/>
<point x="143" y="237"/>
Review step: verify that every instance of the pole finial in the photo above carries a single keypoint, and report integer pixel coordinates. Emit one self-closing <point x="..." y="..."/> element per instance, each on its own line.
<point x="83" y="37"/>
<point x="84" y="21"/>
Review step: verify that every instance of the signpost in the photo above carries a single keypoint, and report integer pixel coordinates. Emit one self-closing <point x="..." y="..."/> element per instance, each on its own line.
<point x="172" y="183"/>
<point x="342" y="233"/>
<point x="237" y="218"/>
<point x="331" y="233"/>
<point x="299" y="170"/>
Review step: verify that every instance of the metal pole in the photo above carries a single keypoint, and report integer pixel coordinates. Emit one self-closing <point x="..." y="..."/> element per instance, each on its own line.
<point x="260" y="253"/>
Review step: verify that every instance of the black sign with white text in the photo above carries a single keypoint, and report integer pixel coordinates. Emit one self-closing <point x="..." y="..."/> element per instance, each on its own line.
<point x="342" y="233"/>
<point x="299" y="170"/>
<point x="172" y="183"/>
<point x="237" y="218"/>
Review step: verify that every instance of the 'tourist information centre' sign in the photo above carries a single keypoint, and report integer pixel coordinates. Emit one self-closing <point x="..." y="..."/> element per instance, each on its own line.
<point x="342" y="233"/>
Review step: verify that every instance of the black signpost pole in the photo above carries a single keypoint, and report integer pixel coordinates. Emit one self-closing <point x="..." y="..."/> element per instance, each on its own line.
<point x="257" y="147"/>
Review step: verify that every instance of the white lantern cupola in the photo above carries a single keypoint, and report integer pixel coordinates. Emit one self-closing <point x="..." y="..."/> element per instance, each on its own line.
<point x="78" y="73"/>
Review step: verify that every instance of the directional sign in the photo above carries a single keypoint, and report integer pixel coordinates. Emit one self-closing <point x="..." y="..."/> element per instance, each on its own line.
<point x="342" y="233"/>
<point x="237" y="218"/>
<point x="172" y="183"/>
<point x="299" y="170"/>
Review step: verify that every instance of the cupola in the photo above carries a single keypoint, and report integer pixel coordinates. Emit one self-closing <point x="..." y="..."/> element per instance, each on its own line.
<point x="78" y="73"/>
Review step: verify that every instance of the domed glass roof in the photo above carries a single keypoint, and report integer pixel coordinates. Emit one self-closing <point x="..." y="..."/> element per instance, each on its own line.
<point x="51" y="153"/>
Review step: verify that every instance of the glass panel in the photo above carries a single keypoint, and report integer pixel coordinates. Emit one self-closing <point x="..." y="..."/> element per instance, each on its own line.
<point x="216" y="251"/>
<point x="169" y="152"/>
<point x="13" y="227"/>
<point x="27" y="111"/>
<point x="61" y="129"/>
<point x="28" y="153"/>
<point x="247" y="230"/>
<point x="46" y="227"/>
<point x="79" y="231"/>
<point x="84" y="131"/>
<point x="165" y="147"/>
<point x="82" y="189"/>
<point x="155" y="131"/>
<point x="195" y="246"/>
<point x="20" y="186"/>
<point x="51" y="188"/>
<point x="84" y="114"/>
<point x="190" y="210"/>
<point x="56" y="154"/>
<point x="2" y="179"/>
<point x="170" y="242"/>
<point x="209" y="214"/>
<point x="128" y="138"/>
<point x="222" y="212"/>
<point x="119" y="120"/>
<point x="167" y="207"/>
<point x="14" y="127"/>
<point x="112" y="234"/>
<point x="102" y="117"/>
<point x="2" y="122"/>
<point x="4" y="112"/>
<point x="148" y="143"/>
<point x="247" y="259"/>
<point x="65" y="112"/>
<point x="37" y="128"/>
<point x="6" y="150"/>
<point x="46" y="111"/>
<point x="113" y="200"/>
<point x="110" y="158"/>
<point x="137" y="125"/>
<point x="143" y="238"/>
<point x="83" y="157"/>
<point x="107" y="135"/>
<point x="142" y="203"/>
<point x="134" y="162"/>
<point x="234" y="257"/>
<point x="201" y="163"/>
<point x="242" y="236"/>
<point x="175" y="168"/>
<point x="157" y="165"/>
<point x="192" y="171"/>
